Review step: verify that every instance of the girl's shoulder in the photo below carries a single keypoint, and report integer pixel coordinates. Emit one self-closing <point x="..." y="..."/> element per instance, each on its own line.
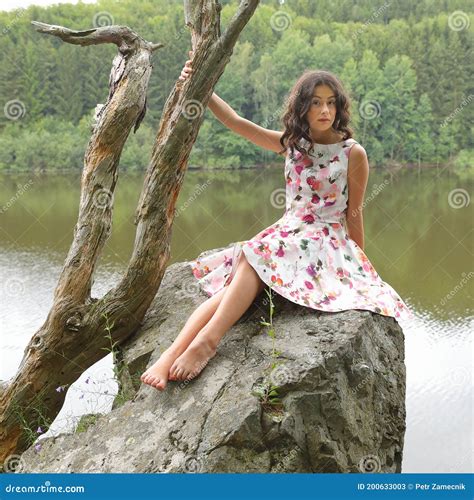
<point x="341" y="143"/>
<point x="349" y="143"/>
<point x="351" y="140"/>
<point x="345" y="145"/>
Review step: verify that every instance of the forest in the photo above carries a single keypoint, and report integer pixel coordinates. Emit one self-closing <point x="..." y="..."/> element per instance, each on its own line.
<point x="405" y="65"/>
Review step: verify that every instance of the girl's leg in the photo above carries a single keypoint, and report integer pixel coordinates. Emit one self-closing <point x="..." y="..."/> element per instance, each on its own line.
<point x="245" y="286"/>
<point x="157" y="374"/>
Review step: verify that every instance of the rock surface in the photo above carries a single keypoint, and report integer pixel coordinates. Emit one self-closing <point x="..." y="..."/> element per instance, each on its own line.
<point x="341" y="379"/>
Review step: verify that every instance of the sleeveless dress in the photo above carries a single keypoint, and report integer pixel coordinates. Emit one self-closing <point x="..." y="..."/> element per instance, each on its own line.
<point x="307" y="255"/>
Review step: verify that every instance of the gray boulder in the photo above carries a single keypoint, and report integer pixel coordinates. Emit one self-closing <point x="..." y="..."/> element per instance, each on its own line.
<point x="339" y="403"/>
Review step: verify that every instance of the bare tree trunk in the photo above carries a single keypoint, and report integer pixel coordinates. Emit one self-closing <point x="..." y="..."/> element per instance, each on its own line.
<point x="78" y="328"/>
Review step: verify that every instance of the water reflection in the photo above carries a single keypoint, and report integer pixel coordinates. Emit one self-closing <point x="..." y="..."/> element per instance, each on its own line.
<point x="417" y="235"/>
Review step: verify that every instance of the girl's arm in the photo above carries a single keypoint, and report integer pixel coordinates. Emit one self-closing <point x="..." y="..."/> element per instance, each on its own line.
<point x="357" y="176"/>
<point x="265" y="138"/>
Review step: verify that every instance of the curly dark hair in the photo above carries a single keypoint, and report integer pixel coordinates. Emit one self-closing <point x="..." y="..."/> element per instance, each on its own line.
<point x="298" y="103"/>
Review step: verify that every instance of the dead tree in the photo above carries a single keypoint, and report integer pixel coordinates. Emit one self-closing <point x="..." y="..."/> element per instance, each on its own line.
<point x="78" y="327"/>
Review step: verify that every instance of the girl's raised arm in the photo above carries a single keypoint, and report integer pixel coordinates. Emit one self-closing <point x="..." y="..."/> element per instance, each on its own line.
<point x="265" y="138"/>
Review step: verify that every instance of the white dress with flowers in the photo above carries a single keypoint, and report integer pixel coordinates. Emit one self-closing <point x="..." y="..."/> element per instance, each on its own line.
<point x="307" y="255"/>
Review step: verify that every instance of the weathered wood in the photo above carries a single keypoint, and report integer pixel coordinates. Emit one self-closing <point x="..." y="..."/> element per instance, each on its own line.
<point x="78" y="327"/>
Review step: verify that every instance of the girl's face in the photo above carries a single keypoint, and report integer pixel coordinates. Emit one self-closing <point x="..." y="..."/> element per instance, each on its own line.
<point x="322" y="111"/>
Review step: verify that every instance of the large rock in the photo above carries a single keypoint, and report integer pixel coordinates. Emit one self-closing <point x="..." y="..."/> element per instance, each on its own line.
<point x="341" y="380"/>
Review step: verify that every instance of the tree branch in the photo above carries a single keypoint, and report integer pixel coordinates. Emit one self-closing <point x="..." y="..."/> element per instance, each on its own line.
<point x="78" y="327"/>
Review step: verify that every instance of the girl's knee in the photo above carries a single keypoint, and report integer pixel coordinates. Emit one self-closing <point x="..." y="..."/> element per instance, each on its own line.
<point x="245" y="262"/>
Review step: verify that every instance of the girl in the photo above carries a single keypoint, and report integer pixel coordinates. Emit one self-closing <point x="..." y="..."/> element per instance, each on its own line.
<point x="313" y="255"/>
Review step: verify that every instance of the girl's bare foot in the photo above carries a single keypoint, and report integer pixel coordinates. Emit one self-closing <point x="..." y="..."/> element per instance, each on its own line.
<point x="193" y="360"/>
<point x="157" y="374"/>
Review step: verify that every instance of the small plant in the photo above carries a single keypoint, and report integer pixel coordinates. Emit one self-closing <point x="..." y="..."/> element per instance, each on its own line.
<point x="86" y="421"/>
<point x="267" y="392"/>
<point x="32" y="419"/>
<point x="118" y="364"/>
<point x="268" y="395"/>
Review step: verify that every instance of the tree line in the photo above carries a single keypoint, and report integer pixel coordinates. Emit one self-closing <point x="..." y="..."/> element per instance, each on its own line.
<point x="405" y="65"/>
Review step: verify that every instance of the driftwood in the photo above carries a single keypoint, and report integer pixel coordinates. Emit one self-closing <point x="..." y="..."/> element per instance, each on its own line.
<point x="79" y="328"/>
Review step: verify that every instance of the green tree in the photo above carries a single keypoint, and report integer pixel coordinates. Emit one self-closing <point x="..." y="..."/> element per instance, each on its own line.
<point x="399" y="106"/>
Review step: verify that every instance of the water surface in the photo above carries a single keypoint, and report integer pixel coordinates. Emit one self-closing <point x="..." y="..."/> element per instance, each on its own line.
<point x="418" y="235"/>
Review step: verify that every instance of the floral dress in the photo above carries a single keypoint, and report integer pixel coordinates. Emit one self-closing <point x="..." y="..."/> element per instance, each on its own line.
<point x="307" y="255"/>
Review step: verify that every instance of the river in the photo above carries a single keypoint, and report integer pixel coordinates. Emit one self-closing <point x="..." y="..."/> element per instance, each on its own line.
<point x="418" y="236"/>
